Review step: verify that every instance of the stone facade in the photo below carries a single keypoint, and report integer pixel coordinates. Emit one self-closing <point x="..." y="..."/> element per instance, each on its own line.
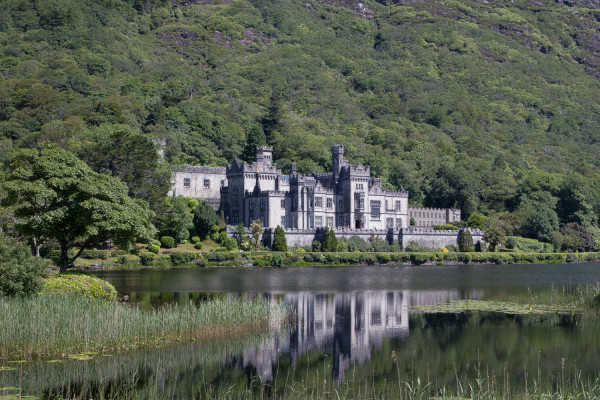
<point x="427" y="216"/>
<point x="200" y="183"/>
<point x="347" y="197"/>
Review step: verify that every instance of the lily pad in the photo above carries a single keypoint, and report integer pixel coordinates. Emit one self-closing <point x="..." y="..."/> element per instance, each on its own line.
<point x="80" y="357"/>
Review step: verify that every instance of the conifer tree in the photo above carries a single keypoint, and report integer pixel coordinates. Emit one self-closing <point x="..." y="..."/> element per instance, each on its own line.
<point x="279" y="240"/>
<point x="465" y="241"/>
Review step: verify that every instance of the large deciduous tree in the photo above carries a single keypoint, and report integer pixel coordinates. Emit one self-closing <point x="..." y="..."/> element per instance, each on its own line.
<point x="57" y="196"/>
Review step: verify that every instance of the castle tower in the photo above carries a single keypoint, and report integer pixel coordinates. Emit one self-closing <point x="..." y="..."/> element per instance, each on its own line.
<point x="337" y="159"/>
<point x="264" y="156"/>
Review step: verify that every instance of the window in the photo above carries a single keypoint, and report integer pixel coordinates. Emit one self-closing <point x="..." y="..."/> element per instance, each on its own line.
<point x="398" y="205"/>
<point x="318" y="202"/>
<point x="329" y="221"/>
<point x="235" y="191"/>
<point x="251" y="206"/>
<point x="262" y="204"/>
<point x="375" y="209"/>
<point x="360" y="203"/>
<point x="389" y="223"/>
<point x="359" y="186"/>
<point x="318" y="222"/>
<point x="283" y="221"/>
<point x="398" y="223"/>
<point x="340" y="204"/>
<point x="186" y="182"/>
<point x="282" y="203"/>
<point x="329" y="202"/>
<point x="311" y="222"/>
<point x="207" y="184"/>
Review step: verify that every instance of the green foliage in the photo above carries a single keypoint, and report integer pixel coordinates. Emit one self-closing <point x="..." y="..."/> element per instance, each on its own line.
<point x="167" y="242"/>
<point x="329" y="241"/>
<point x="198" y="246"/>
<point x="153" y="248"/>
<point x="465" y="241"/>
<point x="57" y="196"/>
<point x="204" y="219"/>
<point x="476" y="221"/>
<point x="101" y="254"/>
<point x="229" y="243"/>
<point x="256" y="228"/>
<point x="279" y="241"/>
<point x="20" y="273"/>
<point x="181" y="257"/>
<point x="196" y="240"/>
<point x="75" y="282"/>
<point x="147" y="258"/>
<point x="176" y="220"/>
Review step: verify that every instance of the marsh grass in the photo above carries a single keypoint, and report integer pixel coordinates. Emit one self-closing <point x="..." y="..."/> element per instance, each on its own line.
<point x="53" y="326"/>
<point x="562" y="300"/>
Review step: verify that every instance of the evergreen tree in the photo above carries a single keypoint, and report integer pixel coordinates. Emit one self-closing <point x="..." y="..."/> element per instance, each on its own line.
<point x="255" y="138"/>
<point x="465" y="241"/>
<point x="205" y="218"/>
<point x="279" y="240"/>
<point x="329" y="241"/>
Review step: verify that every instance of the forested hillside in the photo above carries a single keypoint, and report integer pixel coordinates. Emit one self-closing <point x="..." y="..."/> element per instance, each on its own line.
<point x="493" y="107"/>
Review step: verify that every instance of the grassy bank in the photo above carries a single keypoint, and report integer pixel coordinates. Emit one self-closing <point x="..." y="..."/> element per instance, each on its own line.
<point x="177" y="258"/>
<point x="59" y="325"/>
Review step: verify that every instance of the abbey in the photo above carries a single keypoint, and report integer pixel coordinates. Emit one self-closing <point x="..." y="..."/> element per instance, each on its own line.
<point x="346" y="197"/>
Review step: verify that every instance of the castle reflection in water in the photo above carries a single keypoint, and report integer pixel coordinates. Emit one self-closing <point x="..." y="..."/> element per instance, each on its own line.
<point x="347" y="326"/>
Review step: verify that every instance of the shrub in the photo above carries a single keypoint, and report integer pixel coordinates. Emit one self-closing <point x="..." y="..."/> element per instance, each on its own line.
<point x="122" y="260"/>
<point x="146" y="258"/>
<point x="117" y="253"/>
<point x="276" y="260"/>
<point x="198" y="245"/>
<point x="316" y="245"/>
<point x="355" y="243"/>
<point x="229" y="243"/>
<point x="383" y="258"/>
<point x="20" y="273"/>
<point x="92" y="254"/>
<point x="153" y="249"/>
<point x="80" y="283"/>
<point x="167" y="242"/>
<point x="195" y="239"/>
<point x="419" y="258"/>
<point x="511" y="242"/>
<point x="181" y="257"/>
<point x="571" y="258"/>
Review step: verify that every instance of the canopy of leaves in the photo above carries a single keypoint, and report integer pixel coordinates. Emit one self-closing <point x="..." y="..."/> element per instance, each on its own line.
<point x="464" y="104"/>
<point x="57" y="196"/>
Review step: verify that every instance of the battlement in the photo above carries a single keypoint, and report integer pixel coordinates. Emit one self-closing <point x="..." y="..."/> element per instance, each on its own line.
<point x="201" y="170"/>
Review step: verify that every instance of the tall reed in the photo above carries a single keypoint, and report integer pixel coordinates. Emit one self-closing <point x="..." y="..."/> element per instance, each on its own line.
<point x="55" y="325"/>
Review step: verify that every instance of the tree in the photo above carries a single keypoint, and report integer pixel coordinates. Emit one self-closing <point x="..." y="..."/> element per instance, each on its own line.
<point x="465" y="241"/>
<point x="475" y="221"/>
<point x="20" y="273"/>
<point x="578" y="238"/>
<point x="204" y="219"/>
<point x="412" y="222"/>
<point x="279" y="240"/>
<point x="57" y="196"/>
<point x="254" y="139"/>
<point x="117" y="151"/>
<point x="494" y="235"/>
<point x="256" y="227"/>
<point x="177" y="219"/>
<point x="329" y="241"/>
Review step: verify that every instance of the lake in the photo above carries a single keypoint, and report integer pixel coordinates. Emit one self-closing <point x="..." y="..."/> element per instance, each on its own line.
<point x="354" y="332"/>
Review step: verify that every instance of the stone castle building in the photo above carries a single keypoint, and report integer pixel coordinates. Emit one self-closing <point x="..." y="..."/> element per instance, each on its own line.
<point x="347" y="199"/>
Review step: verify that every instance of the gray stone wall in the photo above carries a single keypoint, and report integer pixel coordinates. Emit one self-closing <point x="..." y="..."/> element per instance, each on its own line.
<point x="425" y="237"/>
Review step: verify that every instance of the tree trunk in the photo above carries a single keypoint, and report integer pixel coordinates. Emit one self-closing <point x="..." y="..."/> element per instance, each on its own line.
<point x="64" y="258"/>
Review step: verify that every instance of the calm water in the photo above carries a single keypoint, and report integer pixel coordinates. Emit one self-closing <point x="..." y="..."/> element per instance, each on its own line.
<point x="353" y="327"/>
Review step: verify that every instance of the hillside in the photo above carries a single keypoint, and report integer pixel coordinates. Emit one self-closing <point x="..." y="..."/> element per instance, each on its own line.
<point x="487" y="106"/>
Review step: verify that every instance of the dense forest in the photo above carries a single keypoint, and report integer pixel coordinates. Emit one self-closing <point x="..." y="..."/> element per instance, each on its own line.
<point x="492" y="107"/>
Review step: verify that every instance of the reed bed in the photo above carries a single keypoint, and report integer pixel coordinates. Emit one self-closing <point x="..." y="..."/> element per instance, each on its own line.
<point x="59" y="325"/>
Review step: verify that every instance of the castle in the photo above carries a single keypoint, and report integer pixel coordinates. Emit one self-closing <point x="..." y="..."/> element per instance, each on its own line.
<point x="347" y="199"/>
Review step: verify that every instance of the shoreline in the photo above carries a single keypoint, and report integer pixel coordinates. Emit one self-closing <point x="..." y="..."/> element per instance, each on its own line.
<point x="263" y="259"/>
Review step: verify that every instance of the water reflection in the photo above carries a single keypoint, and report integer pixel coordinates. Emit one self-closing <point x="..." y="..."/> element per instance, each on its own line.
<point x="348" y="326"/>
